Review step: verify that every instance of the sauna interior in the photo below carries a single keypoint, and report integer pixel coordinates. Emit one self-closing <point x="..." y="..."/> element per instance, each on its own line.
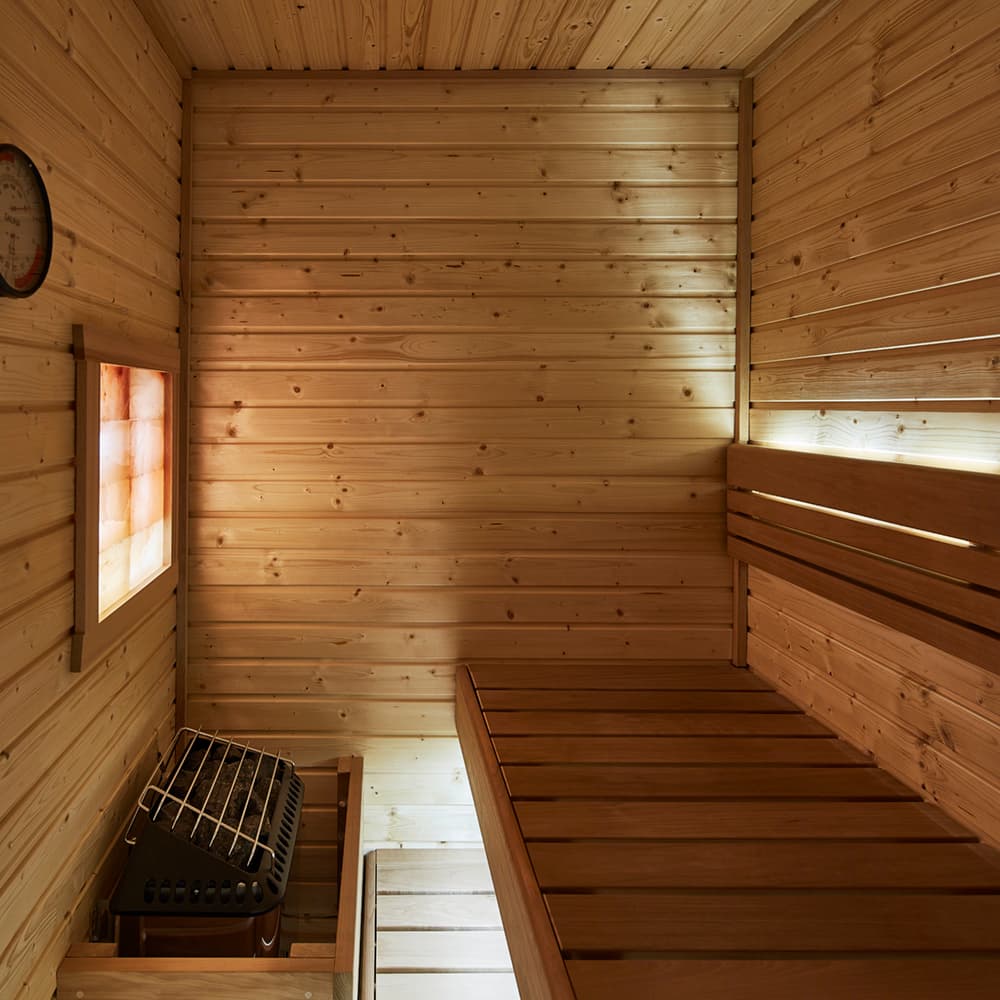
<point x="630" y="368"/>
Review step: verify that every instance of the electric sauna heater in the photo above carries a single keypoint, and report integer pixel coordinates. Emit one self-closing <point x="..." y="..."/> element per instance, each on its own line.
<point x="211" y="848"/>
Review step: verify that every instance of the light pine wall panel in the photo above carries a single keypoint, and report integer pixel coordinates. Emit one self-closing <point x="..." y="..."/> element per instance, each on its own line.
<point x="930" y="718"/>
<point x="462" y="377"/>
<point x="875" y="301"/>
<point x="876" y="235"/>
<point x="90" y="96"/>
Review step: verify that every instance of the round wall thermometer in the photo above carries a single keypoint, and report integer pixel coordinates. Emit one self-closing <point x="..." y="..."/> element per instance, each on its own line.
<point x="25" y="224"/>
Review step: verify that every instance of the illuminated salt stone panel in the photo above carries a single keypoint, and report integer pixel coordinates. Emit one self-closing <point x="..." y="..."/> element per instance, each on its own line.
<point x="134" y="529"/>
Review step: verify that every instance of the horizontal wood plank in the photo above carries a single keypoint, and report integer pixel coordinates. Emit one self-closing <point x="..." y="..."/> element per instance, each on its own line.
<point x="923" y="315"/>
<point x="458" y="347"/>
<point x="460" y="277"/>
<point x="459" y="314"/>
<point x="446" y="460"/>
<point x="638" y="724"/>
<point x="298" y="567"/>
<point x="437" y="911"/>
<point x="481" y="126"/>
<point x="745" y="865"/>
<point x="482" y="495"/>
<point x="611" y="676"/>
<point x="91" y="977"/>
<point x="410" y="871"/>
<point x="461" y="164"/>
<point x="360" y="605"/>
<point x="583" y="700"/>
<point x="431" y="423"/>
<point x="617" y="781"/>
<point x="380" y="643"/>
<point x="447" y="388"/>
<point x="963" y="370"/>
<point x="900" y="821"/>
<point x="323" y="92"/>
<point x="405" y="951"/>
<point x="913" y="431"/>
<point x="446" y="985"/>
<point x="912" y="978"/>
<point x="675" y="750"/>
<point x="401" y="201"/>
<point x="864" y="923"/>
<point x="533" y="532"/>
<point x="444" y="240"/>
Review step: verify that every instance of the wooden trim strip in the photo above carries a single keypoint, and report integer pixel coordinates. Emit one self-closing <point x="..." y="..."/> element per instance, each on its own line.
<point x="978" y="566"/>
<point x="384" y="76"/>
<point x="968" y="643"/>
<point x="348" y="943"/>
<point x="744" y="272"/>
<point x="93" y="344"/>
<point x="538" y="964"/>
<point x="181" y="526"/>
<point x="744" y="286"/>
<point x="368" y="928"/>
<point x="951" y="502"/>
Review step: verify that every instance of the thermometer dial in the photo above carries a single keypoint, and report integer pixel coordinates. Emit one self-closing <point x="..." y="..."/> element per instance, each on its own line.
<point x="25" y="225"/>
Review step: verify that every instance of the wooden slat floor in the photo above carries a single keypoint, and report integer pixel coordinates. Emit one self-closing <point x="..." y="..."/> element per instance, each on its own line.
<point x="438" y="934"/>
<point x="694" y="835"/>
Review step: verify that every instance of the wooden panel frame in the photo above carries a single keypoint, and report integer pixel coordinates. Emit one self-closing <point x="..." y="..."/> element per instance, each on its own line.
<point x="92" y="348"/>
<point x="538" y="963"/>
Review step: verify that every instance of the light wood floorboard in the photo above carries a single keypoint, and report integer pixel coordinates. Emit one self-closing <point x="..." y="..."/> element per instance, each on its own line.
<point x="438" y="931"/>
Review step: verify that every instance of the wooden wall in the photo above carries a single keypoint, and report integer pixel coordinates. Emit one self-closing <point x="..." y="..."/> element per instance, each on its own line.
<point x="92" y="99"/>
<point x="462" y="380"/>
<point x="875" y="293"/>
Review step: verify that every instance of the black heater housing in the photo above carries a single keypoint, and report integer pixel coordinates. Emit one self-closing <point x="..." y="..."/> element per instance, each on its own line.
<point x="212" y="851"/>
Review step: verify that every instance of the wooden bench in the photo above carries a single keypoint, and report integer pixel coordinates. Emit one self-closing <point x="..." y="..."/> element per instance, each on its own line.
<point x="683" y="831"/>
<point x="323" y="958"/>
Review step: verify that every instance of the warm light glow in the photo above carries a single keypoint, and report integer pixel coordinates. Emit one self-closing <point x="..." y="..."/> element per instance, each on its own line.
<point x="946" y="439"/>
<point x="850" y="516"/>
<point x="134" y="540"/>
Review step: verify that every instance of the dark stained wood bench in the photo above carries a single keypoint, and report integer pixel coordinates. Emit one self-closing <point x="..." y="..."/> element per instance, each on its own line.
<point x="683" y="831"/>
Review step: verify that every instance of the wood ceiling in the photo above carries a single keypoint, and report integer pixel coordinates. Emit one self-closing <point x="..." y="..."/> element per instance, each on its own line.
<point x="468" y="34"/>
